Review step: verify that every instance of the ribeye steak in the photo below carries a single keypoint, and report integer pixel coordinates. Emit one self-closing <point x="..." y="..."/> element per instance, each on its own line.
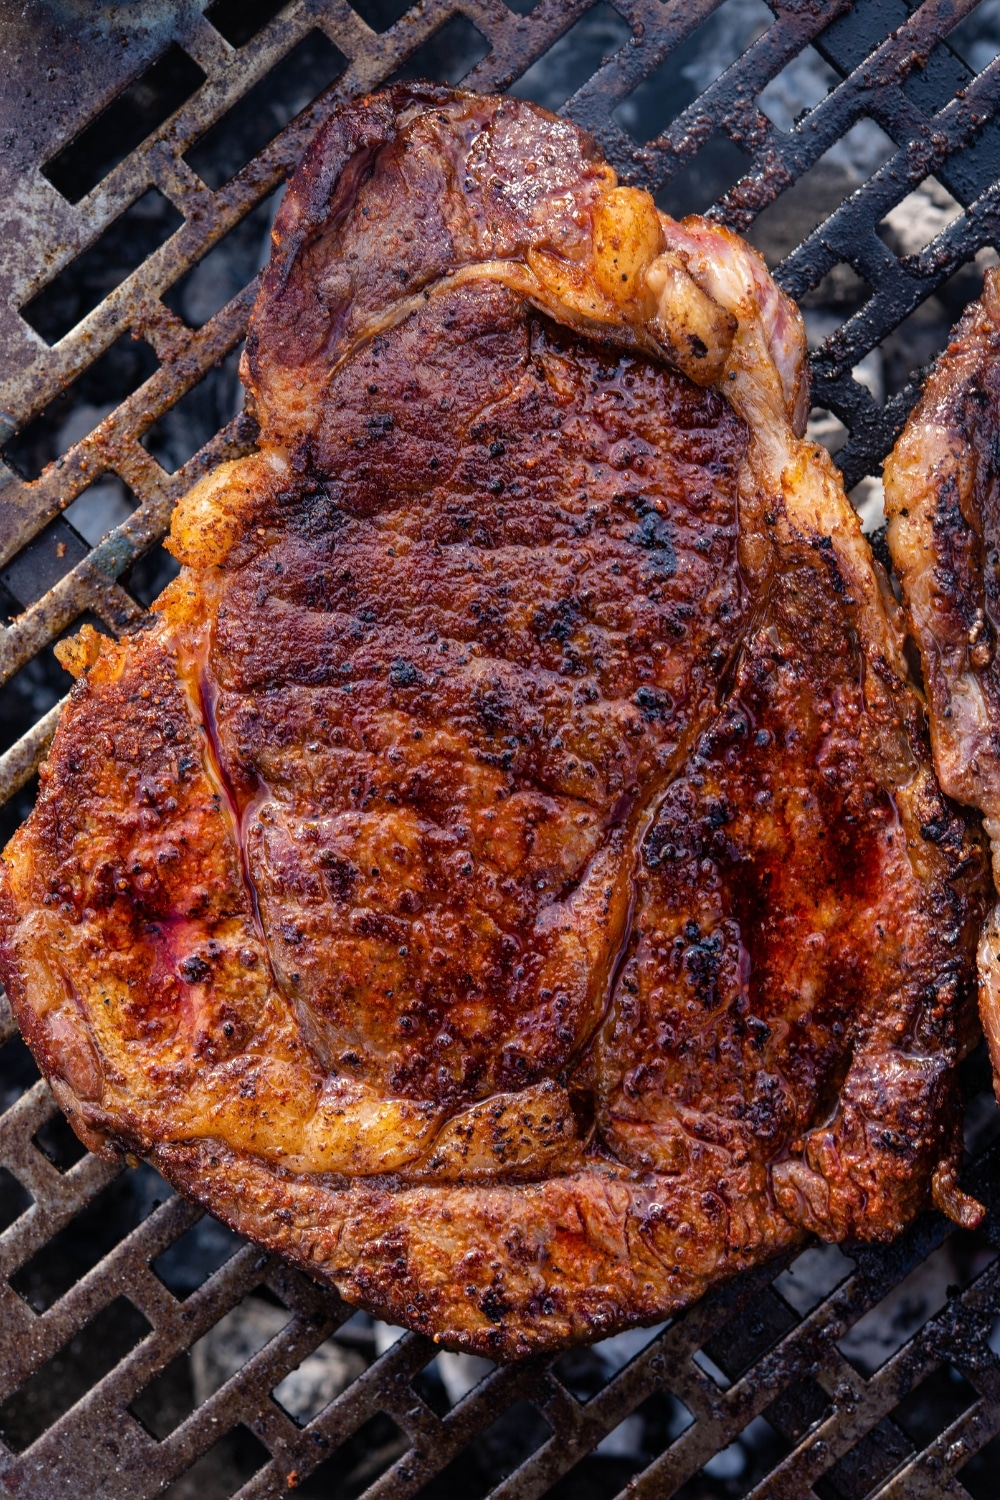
<point x="508" y="877"/>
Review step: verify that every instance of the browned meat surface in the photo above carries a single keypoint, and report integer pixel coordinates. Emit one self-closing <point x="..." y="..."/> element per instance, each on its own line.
<point x="508" y="878"/>
<point x="943" y="505"/>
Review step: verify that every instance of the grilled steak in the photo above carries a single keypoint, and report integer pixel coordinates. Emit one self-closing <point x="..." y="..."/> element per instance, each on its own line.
<point x="508" y="878"/>
<point x="943" y="509"/>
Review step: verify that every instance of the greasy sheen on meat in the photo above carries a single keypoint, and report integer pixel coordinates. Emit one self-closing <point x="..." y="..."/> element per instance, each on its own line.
<point x="942" y="500"/>
<point x="508" y="878"/>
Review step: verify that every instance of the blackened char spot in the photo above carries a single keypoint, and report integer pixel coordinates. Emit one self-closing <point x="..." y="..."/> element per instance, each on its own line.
<point x="655" y="704"/>
<point x="556" y="623"/>
<point x="341" y="875"/>
<point x="403" y="673"/>
<point x="493" y="1305"/>
<point x="494" y="706"/>
<point x="653" y="533"/>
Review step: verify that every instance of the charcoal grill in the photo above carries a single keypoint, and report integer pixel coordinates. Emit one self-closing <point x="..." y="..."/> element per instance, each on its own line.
<point x="136" y="140"/>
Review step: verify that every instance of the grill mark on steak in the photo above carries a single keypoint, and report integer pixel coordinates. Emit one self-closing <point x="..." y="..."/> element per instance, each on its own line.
<point x="566" y="774"/>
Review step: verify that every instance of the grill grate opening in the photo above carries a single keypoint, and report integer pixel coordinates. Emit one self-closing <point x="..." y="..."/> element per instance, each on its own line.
<point x="608" y="1472"/>
<point x="18" y="1071"/>
<point x="601" y="32"/>
<point x="251" y="124"/>
<point x="705" y="1362"/>
<point x="229" y="1344"/>
<point x="915" y="342"/>
<point x="934" y="1404"/>
<point x="688" y="70"/>
<point x="979" y="1475"/>
<point x="507" y="1442"/>
<point x="447" y="55"/>
<point x="812" y="1276"/>
<point x="240" y="20"/>
<point x="237" y="1455"/>
<point x="59" y="1383"/>
<point x="750" y="1334"/>
<point x="700" y="184"/>
<point x="86" y="281"/>
<point x="810" y="201"/>
<point x="665" y="1418"/>
<point x="100" y="508"/>
<point x="309" y="1388"/>
<point x="430" y="1387"/>
<point x="974" y="39"/>
<point x="914" y="1301"/>
<point x="797" y="1409"/>
<point x="797" y="89"/>
<point x="14" y="1199"/>
<point x="26" y="697"/>
<point x="919" y="218"/>
<point x="77" y="409"/>
<point x="360" y="1461"/>
<point x="163" y="1404"/>
<point x="150" y="574"/>
<point x="217" y="277"/>
<point x="839" y="295"/>
<point x="195" y="1256"/>
<point x="874" y="195"/>
<point x="59" y="1143"/>
<point x="46" y="559"/>
<point x="861" y="1470"/>
<point x="136" y="113"/>
<point x="192" y="421"/>
<point x="582" y="1372"/>
<point x="740" y="1466"/>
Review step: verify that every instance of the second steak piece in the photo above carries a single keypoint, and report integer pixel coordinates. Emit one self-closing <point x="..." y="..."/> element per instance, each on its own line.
<point x="942" y="501"/>
<point x="508" y="878"/>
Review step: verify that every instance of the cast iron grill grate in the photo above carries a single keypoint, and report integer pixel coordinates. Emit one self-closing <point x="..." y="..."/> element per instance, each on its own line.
<point x="135" y="147"/>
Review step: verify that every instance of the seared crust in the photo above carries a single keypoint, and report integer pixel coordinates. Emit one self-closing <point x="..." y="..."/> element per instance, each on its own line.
<point x="508" y="878"/>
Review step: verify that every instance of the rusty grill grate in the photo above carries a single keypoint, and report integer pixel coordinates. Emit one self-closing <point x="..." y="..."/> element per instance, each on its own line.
<point x="137" y="140"/>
